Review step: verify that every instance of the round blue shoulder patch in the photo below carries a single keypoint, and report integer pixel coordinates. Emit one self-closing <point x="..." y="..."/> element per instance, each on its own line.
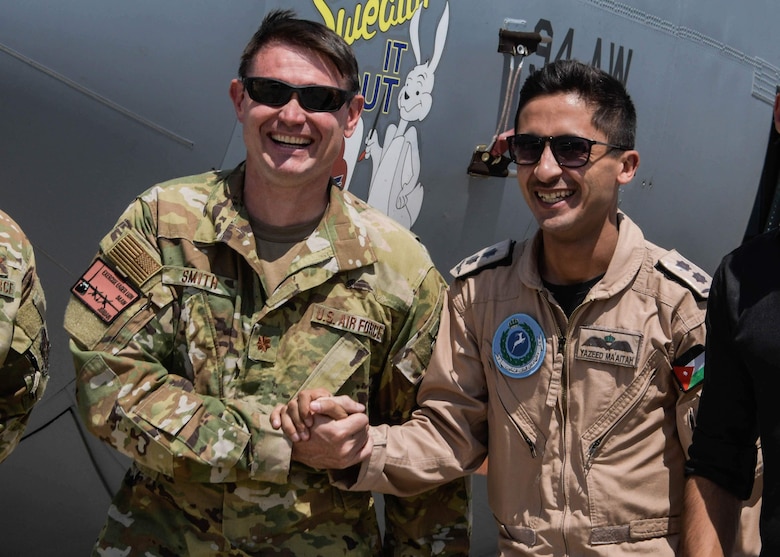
<point x="519" y="346"/>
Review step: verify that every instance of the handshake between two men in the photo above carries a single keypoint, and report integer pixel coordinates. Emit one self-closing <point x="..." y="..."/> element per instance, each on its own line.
<point x="328" y="432"/>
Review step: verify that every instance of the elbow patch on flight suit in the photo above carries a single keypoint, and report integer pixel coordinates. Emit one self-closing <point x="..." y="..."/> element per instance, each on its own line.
<point x="497" y="255"/>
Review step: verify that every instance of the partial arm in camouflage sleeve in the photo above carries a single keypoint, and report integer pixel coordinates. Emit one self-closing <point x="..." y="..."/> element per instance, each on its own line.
<point x="436" y="522"/>
<point x="129" y="400"/>
<point x="24" y="345"/>
<point x="128" y="396"/>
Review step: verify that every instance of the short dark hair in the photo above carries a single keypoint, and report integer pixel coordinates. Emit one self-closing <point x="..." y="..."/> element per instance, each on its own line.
<point x="283" y="27"/>
<point x="614" y="112"/>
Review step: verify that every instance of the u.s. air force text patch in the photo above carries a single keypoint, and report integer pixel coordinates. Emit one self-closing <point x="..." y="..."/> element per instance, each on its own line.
<point x="609" y="346"/>
<point x="347" y="322"/>
<point x="519" y="346"/>
<point x="103" y="291"/>
<point x="7" y="288"/>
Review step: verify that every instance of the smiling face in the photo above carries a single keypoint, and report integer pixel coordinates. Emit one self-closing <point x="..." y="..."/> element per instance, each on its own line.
<point x="572" y="204"/>
<point x="288" y="146"/>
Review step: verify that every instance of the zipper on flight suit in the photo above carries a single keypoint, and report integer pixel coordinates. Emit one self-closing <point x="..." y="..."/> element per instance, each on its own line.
<point x="524" y="435"/>
<point x="594" y="446"/>
<point x="527" y="438"/>
<point x="564" y="430"/>
<point x="562" y="342"/>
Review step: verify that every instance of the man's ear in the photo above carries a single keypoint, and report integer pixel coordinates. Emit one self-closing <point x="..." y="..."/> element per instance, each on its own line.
<point x="630" y="161"/>
<point x="354" y="110"/>
<point x="777" y="113"/>
<point x="237" y="93"/>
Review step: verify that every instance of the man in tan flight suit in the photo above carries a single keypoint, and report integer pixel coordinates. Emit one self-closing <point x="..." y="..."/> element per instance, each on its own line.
<point x="572" y="360"/>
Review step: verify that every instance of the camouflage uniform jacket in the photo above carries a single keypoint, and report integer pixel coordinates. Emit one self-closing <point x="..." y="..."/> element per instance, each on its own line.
<point x="24" y="344"/>
<point x="181" y="354"/>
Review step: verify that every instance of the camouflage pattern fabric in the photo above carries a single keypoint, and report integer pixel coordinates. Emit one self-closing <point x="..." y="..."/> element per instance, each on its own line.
<point x="181" y="354"/>
<point x="24" y="344"/>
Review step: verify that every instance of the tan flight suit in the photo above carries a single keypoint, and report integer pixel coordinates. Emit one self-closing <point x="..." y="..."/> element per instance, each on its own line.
<point x="586" y="430"/>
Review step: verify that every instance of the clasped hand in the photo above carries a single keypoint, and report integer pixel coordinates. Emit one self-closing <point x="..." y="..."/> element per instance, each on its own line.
<point x="327" y="431"/>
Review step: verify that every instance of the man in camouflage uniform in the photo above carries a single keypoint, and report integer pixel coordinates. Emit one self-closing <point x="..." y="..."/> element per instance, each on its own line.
<point x="217" y="296"/>
<point x="24" y="344"/>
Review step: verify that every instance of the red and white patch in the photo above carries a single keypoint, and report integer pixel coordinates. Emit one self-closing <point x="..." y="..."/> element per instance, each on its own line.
<point x="104" y="292"/>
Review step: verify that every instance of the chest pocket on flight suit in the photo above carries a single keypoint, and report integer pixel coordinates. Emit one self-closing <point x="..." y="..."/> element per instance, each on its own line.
<point x="616" y="450"/>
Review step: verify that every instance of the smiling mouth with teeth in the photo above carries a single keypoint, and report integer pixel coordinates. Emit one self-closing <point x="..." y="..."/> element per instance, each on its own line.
<point x="554" y="196"/>
<point x="290" y="140"/>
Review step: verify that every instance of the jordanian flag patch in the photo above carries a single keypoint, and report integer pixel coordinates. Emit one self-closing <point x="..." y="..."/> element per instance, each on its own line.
<point x="689" y="369"/>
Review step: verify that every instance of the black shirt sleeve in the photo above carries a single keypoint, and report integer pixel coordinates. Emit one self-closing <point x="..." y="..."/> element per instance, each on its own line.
<point x="724" y="440"/>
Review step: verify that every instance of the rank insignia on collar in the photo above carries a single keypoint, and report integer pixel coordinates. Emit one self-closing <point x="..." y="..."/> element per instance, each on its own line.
<point x="519" y="346"/>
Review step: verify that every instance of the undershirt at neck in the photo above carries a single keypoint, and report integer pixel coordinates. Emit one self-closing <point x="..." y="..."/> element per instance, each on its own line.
<point x="569" y="296"/>
<point x="277" y="246"/>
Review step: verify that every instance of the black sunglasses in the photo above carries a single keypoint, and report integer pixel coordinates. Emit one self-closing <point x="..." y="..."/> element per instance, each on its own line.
<point x="569" y="151"/>
<point x="315" y="98"/>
